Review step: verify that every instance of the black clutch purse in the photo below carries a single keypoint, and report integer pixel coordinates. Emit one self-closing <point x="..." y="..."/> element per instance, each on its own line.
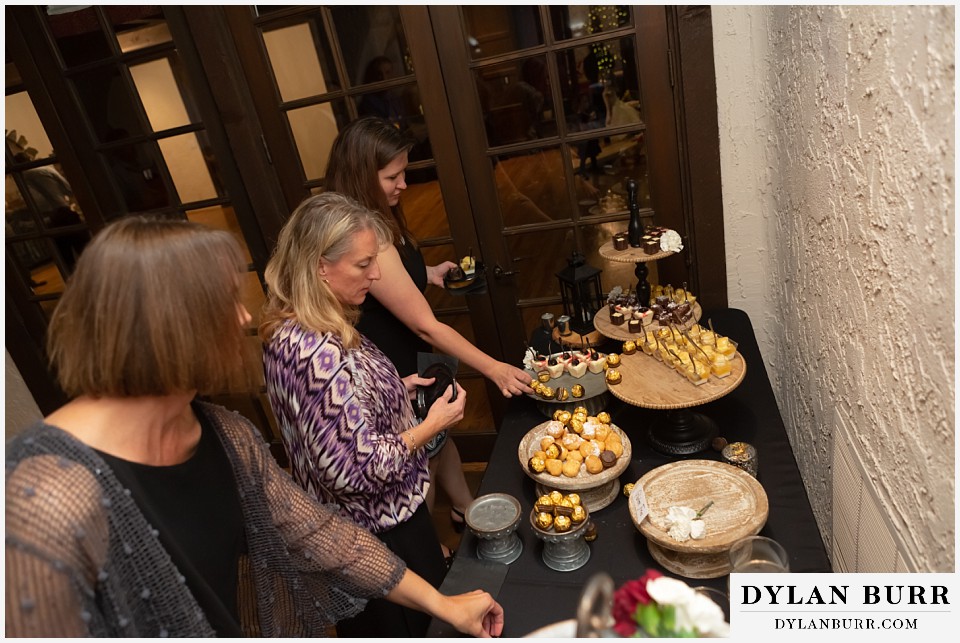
<point x="427" y="395"/>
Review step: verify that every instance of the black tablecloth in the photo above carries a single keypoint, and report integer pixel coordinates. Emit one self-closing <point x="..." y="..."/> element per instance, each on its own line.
<point x="533" y="595"/>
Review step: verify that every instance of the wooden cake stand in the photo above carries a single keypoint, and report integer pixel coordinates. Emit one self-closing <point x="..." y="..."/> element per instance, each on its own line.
<point x="651" y="384"/>
<point x="603" y="324"/>
<point x="576" y="340"/>
<point x="637" y="256"/>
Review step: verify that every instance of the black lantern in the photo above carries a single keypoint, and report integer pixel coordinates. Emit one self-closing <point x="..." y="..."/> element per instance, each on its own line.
<point x="580" y="289"/>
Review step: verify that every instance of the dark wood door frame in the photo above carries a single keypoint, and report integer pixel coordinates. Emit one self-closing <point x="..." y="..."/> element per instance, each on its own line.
<point x="691" y="38"/>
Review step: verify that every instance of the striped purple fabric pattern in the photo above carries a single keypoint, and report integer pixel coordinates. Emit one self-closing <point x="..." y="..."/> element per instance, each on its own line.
<point x="341" y="412"/>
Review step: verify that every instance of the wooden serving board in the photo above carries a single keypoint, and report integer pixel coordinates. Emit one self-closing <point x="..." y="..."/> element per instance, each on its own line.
<point x="530" y="443"/>
<point x="651" y="384"/>
<point x="630" y="255"/>
<point x="739" y="509"/>
<point x="606" y="327"/>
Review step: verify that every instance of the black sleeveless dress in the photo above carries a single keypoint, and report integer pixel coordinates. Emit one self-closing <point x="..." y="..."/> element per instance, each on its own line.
<point x="392" y="337"/>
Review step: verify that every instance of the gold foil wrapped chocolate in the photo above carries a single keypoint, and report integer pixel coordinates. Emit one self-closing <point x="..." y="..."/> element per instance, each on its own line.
<point x="552" y="451"/>
<point x="537" y="465"/>
<point x="576" y="425"/>
<point x="565" y="417"/>
<point x="556" y="415"/>
<point x="574" y="498"/>
<point x="591" y="533"/>
<point x="556" y="497"/>
<point x="627" y="488"/>
<point x="579" y="514"/>
<point x="545" y="500"/>
<point x="544" y="520"/>
<point x="563" y="394"/>
<point x="577" y="390"/>
<point x="547" y="393"/>
<point x="543" y="376"/>
<point x="580" y="410"/>
<point x="534" y="384"/>
<point x="603" y="417"/>
<point x="562" y="524"/>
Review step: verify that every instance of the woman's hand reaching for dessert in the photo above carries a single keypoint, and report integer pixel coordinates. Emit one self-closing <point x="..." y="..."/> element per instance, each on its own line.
<point x="436" y="273"/>
<point x="510" y="379"/>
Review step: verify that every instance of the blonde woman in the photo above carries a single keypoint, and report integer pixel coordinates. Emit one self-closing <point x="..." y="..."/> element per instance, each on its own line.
<point x="344" y="412"/>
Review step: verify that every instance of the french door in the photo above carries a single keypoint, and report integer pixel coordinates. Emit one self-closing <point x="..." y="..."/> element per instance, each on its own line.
<point x="529" y="120"/>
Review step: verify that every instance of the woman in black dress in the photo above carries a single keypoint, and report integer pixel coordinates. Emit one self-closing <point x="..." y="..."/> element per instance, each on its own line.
<point x="368" y="161"/>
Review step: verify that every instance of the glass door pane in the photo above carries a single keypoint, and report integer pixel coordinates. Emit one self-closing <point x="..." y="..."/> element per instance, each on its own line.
<point x="330" y="66"/>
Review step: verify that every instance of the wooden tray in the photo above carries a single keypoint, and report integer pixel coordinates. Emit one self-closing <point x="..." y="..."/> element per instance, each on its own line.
<point x="576" y="340"/>
<point x="630" y="255"/>
<point x="531" y="443"/>
<point x="651" y="384"/>
<point x="603" y="324"/>
<point x="739" y="509"/>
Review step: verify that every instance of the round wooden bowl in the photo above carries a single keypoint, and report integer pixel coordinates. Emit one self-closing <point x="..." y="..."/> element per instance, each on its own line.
<point x="739" y="509"/>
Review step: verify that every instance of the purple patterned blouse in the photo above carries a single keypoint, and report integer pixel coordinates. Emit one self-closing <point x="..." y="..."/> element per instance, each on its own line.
<point x="341" y="412"/>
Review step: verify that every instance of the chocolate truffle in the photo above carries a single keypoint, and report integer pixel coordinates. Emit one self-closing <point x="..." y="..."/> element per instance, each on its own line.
<point x="608" y="458"/>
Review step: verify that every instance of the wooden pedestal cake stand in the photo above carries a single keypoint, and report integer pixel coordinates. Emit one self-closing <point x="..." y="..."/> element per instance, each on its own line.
<point x="648" y="383"/>
<point x="576" y="340"/>
<point x="639" y="257"/>
<point x="608" y="329"/>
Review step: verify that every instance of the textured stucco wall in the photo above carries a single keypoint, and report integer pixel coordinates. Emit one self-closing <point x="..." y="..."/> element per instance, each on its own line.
<point x="837" y="158"/>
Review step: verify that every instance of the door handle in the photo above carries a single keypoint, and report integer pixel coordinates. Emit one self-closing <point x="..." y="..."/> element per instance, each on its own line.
<point x="500" y="273"/>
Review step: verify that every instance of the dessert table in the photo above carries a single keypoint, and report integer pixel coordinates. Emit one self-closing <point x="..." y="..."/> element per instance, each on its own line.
<point x="533" y="595"/>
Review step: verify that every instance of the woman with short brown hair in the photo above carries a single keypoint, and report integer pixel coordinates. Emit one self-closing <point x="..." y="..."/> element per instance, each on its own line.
<point x="135" y="510"/>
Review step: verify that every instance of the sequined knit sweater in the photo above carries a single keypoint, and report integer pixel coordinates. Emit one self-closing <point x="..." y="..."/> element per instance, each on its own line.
<point x="82" y="560"/>
<point x="341" y="412"/>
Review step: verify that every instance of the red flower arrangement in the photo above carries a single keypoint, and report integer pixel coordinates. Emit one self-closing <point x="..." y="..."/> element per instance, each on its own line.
<point x="658" y="606"/>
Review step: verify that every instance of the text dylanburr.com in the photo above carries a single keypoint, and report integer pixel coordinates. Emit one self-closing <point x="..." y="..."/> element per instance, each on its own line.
<point x="857" y="607"/>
